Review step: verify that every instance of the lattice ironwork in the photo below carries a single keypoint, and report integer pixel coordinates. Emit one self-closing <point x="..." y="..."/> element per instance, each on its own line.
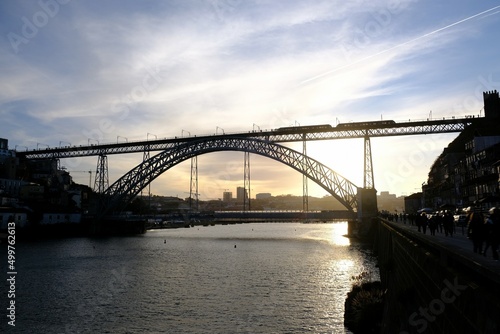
<point x="193" y="185"/>
<point x="289" y="134"/>
<point x="368" y="180"/>
<point x="101" y="175"/>
<point x="305" y="189"/>
<point x="130" y="184"/>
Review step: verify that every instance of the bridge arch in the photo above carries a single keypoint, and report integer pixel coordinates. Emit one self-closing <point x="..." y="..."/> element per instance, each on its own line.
<point x="130" y="184"/>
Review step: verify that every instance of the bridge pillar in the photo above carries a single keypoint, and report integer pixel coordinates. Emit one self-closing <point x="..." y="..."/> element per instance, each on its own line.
<point x="193" y="187"/>
<point x="246" y="182"/>
<point x="101" y="175"/>
<point x="367" y="210"/>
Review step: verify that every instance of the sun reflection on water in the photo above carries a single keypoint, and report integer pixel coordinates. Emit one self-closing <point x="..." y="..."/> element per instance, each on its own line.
<point x="338" y="234"/>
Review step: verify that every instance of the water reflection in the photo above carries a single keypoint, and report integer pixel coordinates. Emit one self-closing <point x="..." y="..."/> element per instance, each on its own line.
<point x="281" y="278"/>
<point x="338" y="234"/>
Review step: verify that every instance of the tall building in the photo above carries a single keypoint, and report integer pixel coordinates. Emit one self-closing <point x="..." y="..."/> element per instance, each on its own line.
<point x="241" y="193"/>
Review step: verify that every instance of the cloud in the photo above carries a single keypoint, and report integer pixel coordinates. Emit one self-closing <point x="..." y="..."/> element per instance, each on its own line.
<point x="98" y="71"/>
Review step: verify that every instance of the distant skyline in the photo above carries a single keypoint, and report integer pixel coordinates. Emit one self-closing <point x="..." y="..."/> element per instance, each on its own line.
<point x="79" y="72"/>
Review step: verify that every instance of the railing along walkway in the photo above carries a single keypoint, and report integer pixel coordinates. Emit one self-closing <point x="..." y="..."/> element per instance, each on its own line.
<point x="457" y="246"/>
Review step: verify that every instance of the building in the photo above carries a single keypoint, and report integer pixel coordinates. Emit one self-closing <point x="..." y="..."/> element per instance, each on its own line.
<point x="390" y="202"/>
<point x="8" y="161"/>
<point x="227" y="196"/>
<point x="241" y="193"/>
<point x="413" y="203"/>
<point x="15" y="215"/>
<point x="60" y="218"/>
<point x="263" y="196"/>
<point x="467" y="171"/>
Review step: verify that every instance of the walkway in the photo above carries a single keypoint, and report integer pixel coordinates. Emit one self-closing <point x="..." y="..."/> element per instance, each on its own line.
<point x="457" y="244"/>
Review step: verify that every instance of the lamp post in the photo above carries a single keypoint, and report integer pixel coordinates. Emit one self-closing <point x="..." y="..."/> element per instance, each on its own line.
<point x="117" y="137"/>
<point x="15" y="148"/>
<point x="38" y="144"/>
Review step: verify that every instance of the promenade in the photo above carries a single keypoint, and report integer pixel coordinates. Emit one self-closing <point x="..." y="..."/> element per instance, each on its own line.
<point x="457" y="245"/>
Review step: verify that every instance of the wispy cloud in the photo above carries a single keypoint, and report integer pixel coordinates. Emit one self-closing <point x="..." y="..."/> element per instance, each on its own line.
<point x="125" y="68"/>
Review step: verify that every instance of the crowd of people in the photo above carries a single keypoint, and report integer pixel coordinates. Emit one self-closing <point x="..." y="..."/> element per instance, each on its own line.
<point x="482" y="229"/>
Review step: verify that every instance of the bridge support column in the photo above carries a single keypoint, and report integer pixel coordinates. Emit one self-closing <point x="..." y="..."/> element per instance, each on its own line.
<point x="367" y="210"/>
<point x="305" y="190"/>
<point x="193" y="187"/>
<point x="145" y="157"/>
<point x="246" y="182"/>
<point x="101" y="175"/>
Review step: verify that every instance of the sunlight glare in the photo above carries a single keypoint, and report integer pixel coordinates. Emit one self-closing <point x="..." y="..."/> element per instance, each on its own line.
<point x="337" y="234"/>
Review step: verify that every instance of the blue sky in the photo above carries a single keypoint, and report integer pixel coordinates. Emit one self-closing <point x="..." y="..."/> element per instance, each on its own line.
<point x="87" y="71"/>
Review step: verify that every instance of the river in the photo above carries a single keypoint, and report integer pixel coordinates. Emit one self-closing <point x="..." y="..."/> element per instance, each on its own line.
<point x="245" y="278"/>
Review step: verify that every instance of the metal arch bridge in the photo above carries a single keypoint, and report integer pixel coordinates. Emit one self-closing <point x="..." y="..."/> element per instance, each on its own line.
<point x="342" y="189"/>
<point x="129" y="185"/>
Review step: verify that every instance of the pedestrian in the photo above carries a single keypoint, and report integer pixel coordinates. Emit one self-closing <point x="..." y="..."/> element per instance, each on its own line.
<point x="475" y="229"/>
<point x="433" y="224"/>
<point x="448" y="222"/>
<point x="423" y="222"/>
<point x="492" y="232"/>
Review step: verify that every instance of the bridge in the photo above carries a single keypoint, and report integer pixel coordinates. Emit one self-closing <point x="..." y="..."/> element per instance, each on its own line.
<point x="359" y="200"/>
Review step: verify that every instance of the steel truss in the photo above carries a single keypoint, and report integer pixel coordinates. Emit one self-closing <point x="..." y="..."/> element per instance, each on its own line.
<point x="277" y="136"/>
<point x="130" y="184"/>
<point x="101" y="174"/>
<point x="368" y="179"/>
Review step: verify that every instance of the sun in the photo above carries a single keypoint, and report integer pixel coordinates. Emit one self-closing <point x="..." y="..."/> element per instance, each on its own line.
<point x="344" y="156"/>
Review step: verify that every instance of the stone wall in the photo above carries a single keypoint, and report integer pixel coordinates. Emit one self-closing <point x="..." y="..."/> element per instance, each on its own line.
<point x="432" y="289"/>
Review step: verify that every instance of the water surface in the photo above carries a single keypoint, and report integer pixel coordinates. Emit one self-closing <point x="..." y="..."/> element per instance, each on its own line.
<point x="248" y="278"/>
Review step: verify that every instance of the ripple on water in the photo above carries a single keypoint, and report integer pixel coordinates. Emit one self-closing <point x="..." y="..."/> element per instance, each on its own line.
<point x="289" y="278"/>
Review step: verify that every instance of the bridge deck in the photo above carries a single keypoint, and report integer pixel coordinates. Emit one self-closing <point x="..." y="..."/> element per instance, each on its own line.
<point x="280" y="135"/>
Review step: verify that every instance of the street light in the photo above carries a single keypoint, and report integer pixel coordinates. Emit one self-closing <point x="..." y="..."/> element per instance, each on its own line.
<point x="60" y="143"/>
<point x="126" y="139"/>
<point x="89" y="139"/>
<point x="147" y="136"/>
<point x="15" y="148"/>
<point x="218" y="127"/>
<point x="182" y="133"/>
<point x="37" y="144"/>
<point x="255" y="125"/>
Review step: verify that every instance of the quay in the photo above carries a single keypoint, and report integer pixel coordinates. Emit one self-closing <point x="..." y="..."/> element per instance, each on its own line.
<point x="436" y="283"/>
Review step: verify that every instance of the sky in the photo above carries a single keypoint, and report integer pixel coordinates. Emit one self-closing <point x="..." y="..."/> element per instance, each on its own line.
<point x="78" y="72"/>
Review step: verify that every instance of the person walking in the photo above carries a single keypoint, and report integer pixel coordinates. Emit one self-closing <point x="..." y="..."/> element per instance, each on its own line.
<point x="433" y="224"/>
<point x="423" y="222"/>
<point x="448" y="222"/>
<point x="475" y="229"/>
<point x="493" y="232"/>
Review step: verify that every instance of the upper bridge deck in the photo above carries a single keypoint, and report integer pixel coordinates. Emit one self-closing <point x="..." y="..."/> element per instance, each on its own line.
<point x="381" y="128"/>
